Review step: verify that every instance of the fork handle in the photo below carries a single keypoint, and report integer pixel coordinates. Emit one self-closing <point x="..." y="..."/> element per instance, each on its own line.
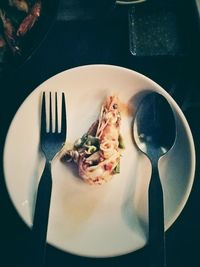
<point x="41" y="215"/>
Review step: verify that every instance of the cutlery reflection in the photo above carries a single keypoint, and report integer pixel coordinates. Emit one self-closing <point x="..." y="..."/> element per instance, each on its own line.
<point x="154" y="132"/>
<point x="52" y="140"/>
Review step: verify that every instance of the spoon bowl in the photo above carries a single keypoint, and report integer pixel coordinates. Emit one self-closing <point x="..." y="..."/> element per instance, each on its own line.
<point x="154" y="126"/>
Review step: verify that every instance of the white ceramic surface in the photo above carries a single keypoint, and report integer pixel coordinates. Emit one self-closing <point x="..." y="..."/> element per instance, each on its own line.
<point x="124" y="2"/>
<point x="96" y="221"/>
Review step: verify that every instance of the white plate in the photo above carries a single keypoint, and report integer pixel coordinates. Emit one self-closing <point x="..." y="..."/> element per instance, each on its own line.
<point x="96" y="221"/>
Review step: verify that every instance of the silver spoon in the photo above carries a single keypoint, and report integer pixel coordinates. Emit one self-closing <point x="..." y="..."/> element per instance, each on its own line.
<point x="154" y="132"/>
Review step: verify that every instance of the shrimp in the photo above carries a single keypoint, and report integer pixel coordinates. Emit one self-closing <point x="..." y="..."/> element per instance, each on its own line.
<point x="30" y="19"/>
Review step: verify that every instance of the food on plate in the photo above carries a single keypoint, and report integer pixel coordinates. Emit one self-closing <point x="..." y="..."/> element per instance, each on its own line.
<point x="21" y="5"/>
<point x="97" y="153"/>
<point x="30" y="19"/>
<point x="9" y="33"/>
<point x="2" y="48"/>
<point x="17" y="18"/>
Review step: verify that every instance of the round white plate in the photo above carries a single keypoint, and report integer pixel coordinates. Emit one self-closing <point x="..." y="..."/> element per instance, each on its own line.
<point x="96" y="221"/>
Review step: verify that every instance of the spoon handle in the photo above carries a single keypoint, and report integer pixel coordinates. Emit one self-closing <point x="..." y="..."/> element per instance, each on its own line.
<point x="156" y="241"/>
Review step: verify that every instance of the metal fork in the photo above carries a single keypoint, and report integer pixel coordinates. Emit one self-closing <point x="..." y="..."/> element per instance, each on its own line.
<point x="51" y="143"/>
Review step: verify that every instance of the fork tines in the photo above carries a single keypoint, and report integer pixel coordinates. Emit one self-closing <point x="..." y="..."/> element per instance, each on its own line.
<point x="53" y="114"/>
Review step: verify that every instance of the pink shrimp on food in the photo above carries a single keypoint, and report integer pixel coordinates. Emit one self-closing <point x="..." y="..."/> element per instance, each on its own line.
<point x="30" y="19"/>
<point x="97" y="153"/>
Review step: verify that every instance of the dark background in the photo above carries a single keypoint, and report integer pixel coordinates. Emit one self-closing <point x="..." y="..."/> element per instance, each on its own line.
<point x="84" y="35"/>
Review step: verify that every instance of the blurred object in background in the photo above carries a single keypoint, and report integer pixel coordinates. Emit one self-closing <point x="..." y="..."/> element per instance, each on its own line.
<point x="129" y="1"/>
<point x="84" y="10"/>
<point x="24" y="24"/>
<point x="154" y="29"/>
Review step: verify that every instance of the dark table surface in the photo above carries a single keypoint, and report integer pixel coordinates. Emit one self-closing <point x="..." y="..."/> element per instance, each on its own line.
<point x="76" y="40"/>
